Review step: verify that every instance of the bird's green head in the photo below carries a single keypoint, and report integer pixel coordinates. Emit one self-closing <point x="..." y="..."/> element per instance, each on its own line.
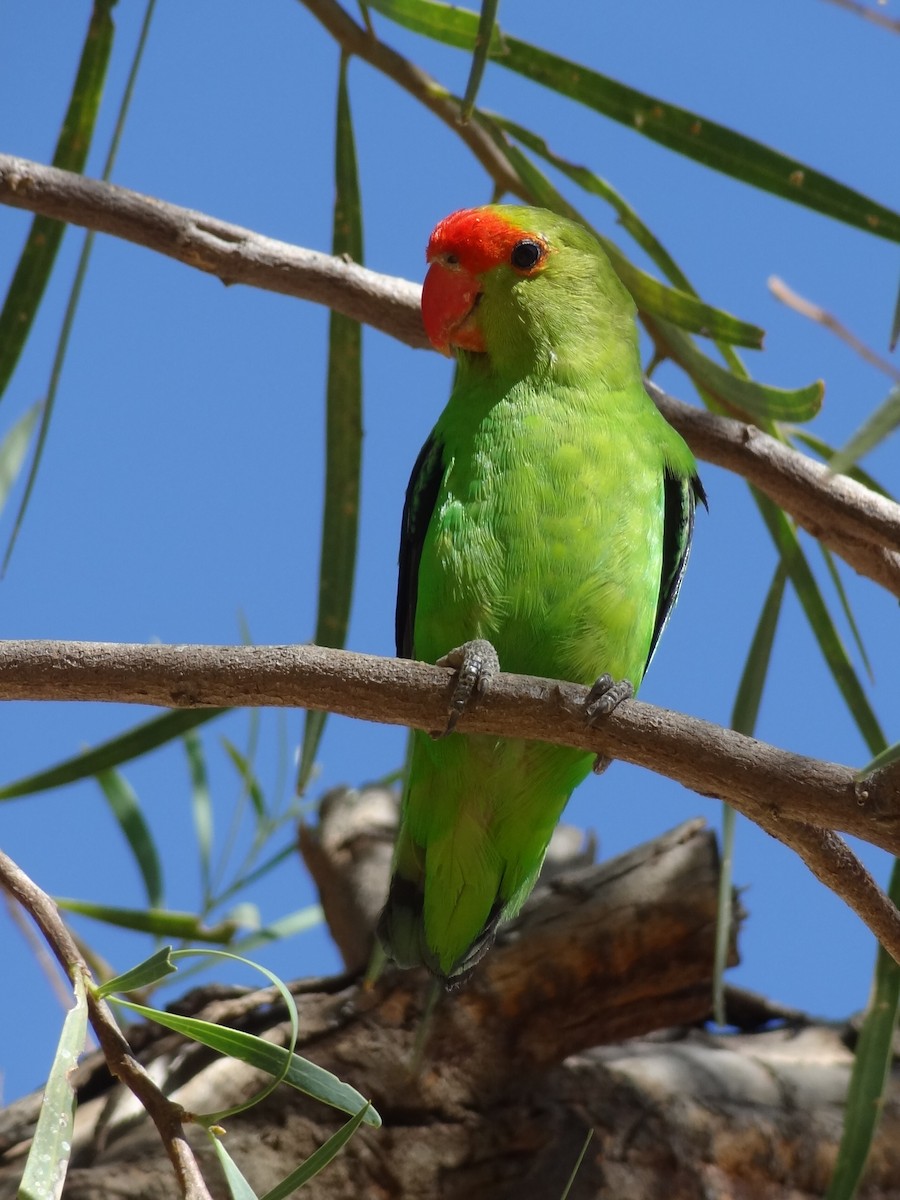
<point x="530" y="290"/>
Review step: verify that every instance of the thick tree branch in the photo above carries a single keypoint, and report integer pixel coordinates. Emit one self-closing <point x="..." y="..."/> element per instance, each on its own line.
<point x="860" y="526"/>
<point x="166" y="1115"/>
<point x="792" y="796"/>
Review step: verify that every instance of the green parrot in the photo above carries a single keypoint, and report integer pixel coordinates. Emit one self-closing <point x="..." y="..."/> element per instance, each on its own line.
<point x="549" y="514"/>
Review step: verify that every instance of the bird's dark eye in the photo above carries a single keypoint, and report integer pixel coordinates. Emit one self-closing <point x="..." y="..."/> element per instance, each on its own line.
<point x="451" y="260"/>
<point x="526" y="254"/>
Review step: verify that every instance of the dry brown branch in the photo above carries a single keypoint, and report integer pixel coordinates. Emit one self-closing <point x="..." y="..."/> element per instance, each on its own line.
<point x="860" y="526"/>
<point x="519" y="1065"/>
<point x="827" y="320"/>
<point x="778" y="789"/>
<point x="869" y="14"/>
<point x="354" y="39"/>
<point x="166" y="1115"/>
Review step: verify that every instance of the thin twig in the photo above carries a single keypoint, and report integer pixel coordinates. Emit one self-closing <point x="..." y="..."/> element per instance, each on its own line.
<point x="166" y="1115"/>
<point x="821" y="316"/>
<point x="869" y="14"/>
<point x="354" y="39"/>
<point x="861" y="527"/>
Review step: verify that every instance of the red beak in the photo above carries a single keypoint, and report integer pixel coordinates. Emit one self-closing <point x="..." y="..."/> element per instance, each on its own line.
<point x="449" y="296"/>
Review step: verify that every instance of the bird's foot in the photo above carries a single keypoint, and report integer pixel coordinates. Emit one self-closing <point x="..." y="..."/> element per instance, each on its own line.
<point x="476" y="663"/>
<point x="604" y="697"/>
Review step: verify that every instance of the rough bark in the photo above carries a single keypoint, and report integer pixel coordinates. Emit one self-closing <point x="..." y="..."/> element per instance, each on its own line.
<point x="557" y="1034"/>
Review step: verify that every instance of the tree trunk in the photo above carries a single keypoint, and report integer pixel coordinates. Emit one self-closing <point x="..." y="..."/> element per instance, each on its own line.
<point x="557" y="1034"/>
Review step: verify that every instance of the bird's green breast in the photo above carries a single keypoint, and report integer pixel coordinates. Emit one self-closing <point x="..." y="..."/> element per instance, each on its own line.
<point x="546" y="536"/>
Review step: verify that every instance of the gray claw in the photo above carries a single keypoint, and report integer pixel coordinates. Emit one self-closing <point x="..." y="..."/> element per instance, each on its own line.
<point x="604" y="697"/>
<point x="476" y="663"/>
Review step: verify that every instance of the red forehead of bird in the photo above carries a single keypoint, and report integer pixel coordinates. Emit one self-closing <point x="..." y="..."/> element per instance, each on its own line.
<point x="477" y="239"/>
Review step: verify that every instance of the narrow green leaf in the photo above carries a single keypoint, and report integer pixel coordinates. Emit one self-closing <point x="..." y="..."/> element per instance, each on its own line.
<point x="883" y="421"/>
<point x="895" y="325"/>
<point x="144" y="975"/>
<point x="788" y="545"/>
<point x="127" y="810"/>
<point x="238" y="1186"/>
<point x="743" y="718"/>
<point x="685" y="132"/>
<point x="284" y="927"/>
<point x="874" y="1058"/>
<point x="757" y="401"/>
<point x="75" y="292"/>
<point x="319" y="1158"/>
<point x="756" y="668"/>
<point x="51" y="1148"/>
<point x="143" y="738"/>
<point x="649" y="294"/>
<point x="159" y="922"/>
<point x="578" y="1161"/>
<point x="890" y="754"/>
<point x="487" y="23"/>
<point x="827" y="453"/>
<point x="305" y="1076"/>
<point x="36" y="262"/>
<point x="201" y="808"/>
<point x="844" y="599"/>
<point x="343" y="437"/>
<point x="248" y="776"/>
<point x="13" y="449"/>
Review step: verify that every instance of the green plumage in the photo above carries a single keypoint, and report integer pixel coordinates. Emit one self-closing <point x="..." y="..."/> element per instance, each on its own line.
<point x="549" y="513"/>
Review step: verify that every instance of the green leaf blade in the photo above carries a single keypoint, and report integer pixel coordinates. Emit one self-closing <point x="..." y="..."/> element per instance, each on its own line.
<point x="126" y="809"/>
<point x="298" y="1072"/>
<point x="343" y="438"/>
<point x="141" y="739"/>
<point x="39" y="254"/>
<point x="51" y="1147"/>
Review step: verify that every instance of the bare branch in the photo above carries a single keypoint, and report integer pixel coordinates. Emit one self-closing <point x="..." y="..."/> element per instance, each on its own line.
<point x="860" y="526"/>
<point x="356" y="40"/>
<point x="166" y="1116"/>
<point x="763" y="782"/>
<point x="814" y="312"/>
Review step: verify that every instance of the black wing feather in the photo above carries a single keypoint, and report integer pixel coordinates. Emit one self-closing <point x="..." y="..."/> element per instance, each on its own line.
<point x="421" y="494"/>
<point x="681" y="496"/>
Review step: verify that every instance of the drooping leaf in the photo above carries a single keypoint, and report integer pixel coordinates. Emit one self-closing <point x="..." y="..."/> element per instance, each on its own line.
<point x="144" y="975"/>
<point x="743" y="719"/>
<point x="827" y="453"/>
<point x="163" y="923"/>
<point x="343" y="437"/>
<point x="122" y="800"/>
<point x="649" y="294"/>
<point x="871" y="1069"/>
<point x="319" y="1159"/>
<point x="238" y="1186"/>
<point x="51" y="1146"/>
<point x="755" y="401"/>
<point x="844" y="599"/>
<point x="80" y="274"/>
<point x="143" y="738"/>
<point x="487" y="23"/>
<point x="883" y="421"/>
<point x="13" y="449"/>
<point x="788" y="545"/>
<point x="685" y="132"/>
<point x="36" y="262"/>
<point x="201" y="810"/>
<point x="295" y="1071"/>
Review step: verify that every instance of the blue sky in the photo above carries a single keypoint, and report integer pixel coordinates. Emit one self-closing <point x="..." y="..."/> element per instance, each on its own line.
<point x="180" y="490"/>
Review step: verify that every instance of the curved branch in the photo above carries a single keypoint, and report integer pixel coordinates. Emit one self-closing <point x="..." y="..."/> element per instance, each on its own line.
<point x="860" y="526"/>
<point x="760" y="780"/>
<point x="166" y="1115"/>
<point x="799" y="800"/>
